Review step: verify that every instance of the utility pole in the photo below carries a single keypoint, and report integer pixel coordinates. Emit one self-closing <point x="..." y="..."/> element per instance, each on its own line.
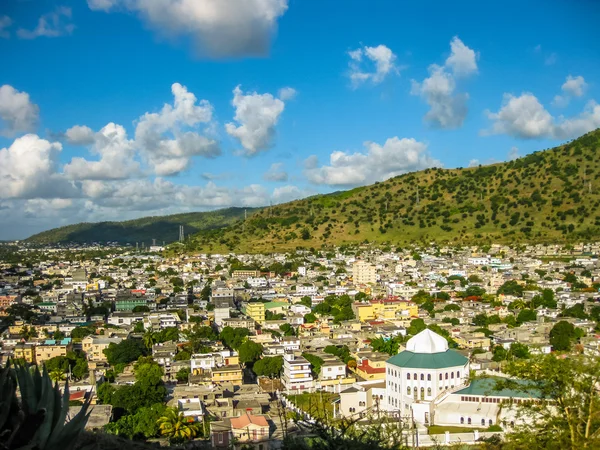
<point x="417" y="194"/>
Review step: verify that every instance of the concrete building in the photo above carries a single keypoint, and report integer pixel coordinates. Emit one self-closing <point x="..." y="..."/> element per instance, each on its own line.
<point x="297" y="376"/>
<point x="416" y="377"/>
<point x="94" y="346"/>
<point x="256" y="311"/>
<point x="51" y="348"/>
<point x="364" y="273"/>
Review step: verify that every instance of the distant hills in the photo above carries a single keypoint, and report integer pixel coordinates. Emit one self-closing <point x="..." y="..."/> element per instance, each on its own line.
<point x="547" y="196"/>
<point x="161" y="228"/>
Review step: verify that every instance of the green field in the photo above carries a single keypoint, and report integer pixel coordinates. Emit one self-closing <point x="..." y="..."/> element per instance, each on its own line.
<point x="318" y="404"/>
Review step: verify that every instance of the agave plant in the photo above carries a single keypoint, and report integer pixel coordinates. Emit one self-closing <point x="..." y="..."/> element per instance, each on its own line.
<point x="38" y="420"/>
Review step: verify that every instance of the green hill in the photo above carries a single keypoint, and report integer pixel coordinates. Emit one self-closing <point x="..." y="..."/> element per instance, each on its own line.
<point x="161" y="228"/>
<point x="547" y="196"/>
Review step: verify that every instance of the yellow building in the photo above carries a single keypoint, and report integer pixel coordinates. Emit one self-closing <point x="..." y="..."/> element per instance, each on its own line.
<point x="390" y="308"/>
<point x="94" y="346"/>
<point x="25" y="352"/>
<point x="256" y="310"/>
<point x="372" y="367"/>
<point x="232" y="374"/>
<point x="51" y="349"/>
<point x="473" y="340"/>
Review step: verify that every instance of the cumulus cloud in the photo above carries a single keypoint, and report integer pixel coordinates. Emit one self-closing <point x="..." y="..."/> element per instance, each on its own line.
<point x="5" y="22"/>
<point x="276" y="173"/>
<point x="379" y="162"/>
<point x="79" y="135"/>
<point x="371" y="64"/>
<point x="526" y="118"/>
<point x="572" y="87"/>
<point x="169" y="138"/>
<point x="28" y="169"/>
<point x="54" y="24"/>
<point x="17" y="111"/>
<point x="218" y="28"/>
<point x="474" y="163"/>
<point x="289" y="193"/>
<point x="448" y="109"/>
<point x="115" y="150"/>
<point x="287" y="93"/>
<point x="257" y="116"/>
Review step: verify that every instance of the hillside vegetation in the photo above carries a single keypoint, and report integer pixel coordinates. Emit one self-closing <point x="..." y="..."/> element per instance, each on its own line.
<point x="161" y="228"/>
<point x="547" y="196"/>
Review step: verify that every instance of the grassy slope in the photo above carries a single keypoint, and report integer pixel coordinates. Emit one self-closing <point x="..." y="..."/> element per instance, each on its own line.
<point x="543" y="197"/>
<point x="161" y="228"/>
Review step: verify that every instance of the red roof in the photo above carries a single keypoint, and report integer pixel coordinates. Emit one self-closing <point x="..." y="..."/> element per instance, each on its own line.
<point x="365" y="367"/>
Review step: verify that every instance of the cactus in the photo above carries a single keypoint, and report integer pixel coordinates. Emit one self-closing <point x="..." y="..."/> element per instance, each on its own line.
<point x="37" y="421"/>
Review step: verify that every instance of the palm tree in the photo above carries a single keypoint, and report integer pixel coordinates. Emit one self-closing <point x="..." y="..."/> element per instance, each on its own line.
<point x="174" y="424"/>
<point x="57" y="375"/>
<point x="148" y="339"/>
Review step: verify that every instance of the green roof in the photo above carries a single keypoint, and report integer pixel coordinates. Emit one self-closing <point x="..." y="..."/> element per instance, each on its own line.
<point x="273" y="305"/>
<point x="486" y="387"/>
<point x="449" y="358"/>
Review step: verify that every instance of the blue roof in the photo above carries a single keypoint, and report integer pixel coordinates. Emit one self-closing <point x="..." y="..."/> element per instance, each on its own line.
<point x="65" y="341"/>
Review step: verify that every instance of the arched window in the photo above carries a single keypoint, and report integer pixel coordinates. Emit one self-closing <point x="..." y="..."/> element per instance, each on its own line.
<point x="452" y="375"/>
<point x="407" y="390"/>
<point x="408" y="376"/>
<point x="429" y="391"/>
<point x="490" y="422"/>
<point x="462" y="420"/>
<point x="457" y="374"/>
<point x="441" y="377"/>
<point x="422" y="393"/>
<point x="422" y="376"/>
<point x="482" y="422"/>
<point x="415" y="393"/>
<point x="415" y="376"/>
<point x="469" y="421"/>
<point x="428" y="377"/>
<point x="446" y="375"/>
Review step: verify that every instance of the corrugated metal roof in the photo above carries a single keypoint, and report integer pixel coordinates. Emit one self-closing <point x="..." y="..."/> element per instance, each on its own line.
<point x="449" y="358"/>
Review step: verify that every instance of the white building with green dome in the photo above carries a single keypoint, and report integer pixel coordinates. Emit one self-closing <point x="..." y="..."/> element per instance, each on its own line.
<point x="418" y="377"/>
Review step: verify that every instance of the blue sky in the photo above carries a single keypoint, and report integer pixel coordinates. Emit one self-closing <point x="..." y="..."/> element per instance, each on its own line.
<point x="272" y="100"/>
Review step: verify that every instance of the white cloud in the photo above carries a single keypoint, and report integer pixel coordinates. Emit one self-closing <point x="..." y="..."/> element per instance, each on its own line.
<point x="28" y="169"/>
<point x="257" y="115"/>
<point x="513" y="153"/>
<point x="378" y="163"/>
<point x="5" y="22"/>
<point x="53" y="24"/>
<point x="165" y="139"/>
<point x="17" y="111"/>
<point x="574" y="86"/>
<point x="289" y="193"/>
<point x="448" y="109"/>
<point x="217" y="27"/>
<point x="80" y="135"/>
<point x="462" y="59"/>
<point x="525" y="117"/>
<point x="474" y="163"/>
<point x="287" y="93"/>
<point x="116" y="155"/>
<point x="381" y="58"/>
<point x="276" y="173"/>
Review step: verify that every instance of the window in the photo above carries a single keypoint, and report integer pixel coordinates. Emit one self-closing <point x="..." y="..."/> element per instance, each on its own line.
<point x="415" y="393"/>
<point x="422" y="393"/>
<point x="469" y="421"/>
<point x="220" y="435"/>
<point x="408" y="390"/>
<point x="422" y="377"/>
<point x="415" y="376"/>
<point x="446" y="375"/>
<point x="452" y="375"/>
<point x="441" y="377"/>
<point x="462" y="420"/>
<point x="428" y="377"/>
<point x="482" y="422"/>
<point x="429" y="391"/>
<point x="490" y="422"/>
<point x="408" y="376"/>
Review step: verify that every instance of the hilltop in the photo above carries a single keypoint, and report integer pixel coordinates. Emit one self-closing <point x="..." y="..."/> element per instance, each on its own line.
<point x="161" y="228"/>
<point x="547" y="196"/>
